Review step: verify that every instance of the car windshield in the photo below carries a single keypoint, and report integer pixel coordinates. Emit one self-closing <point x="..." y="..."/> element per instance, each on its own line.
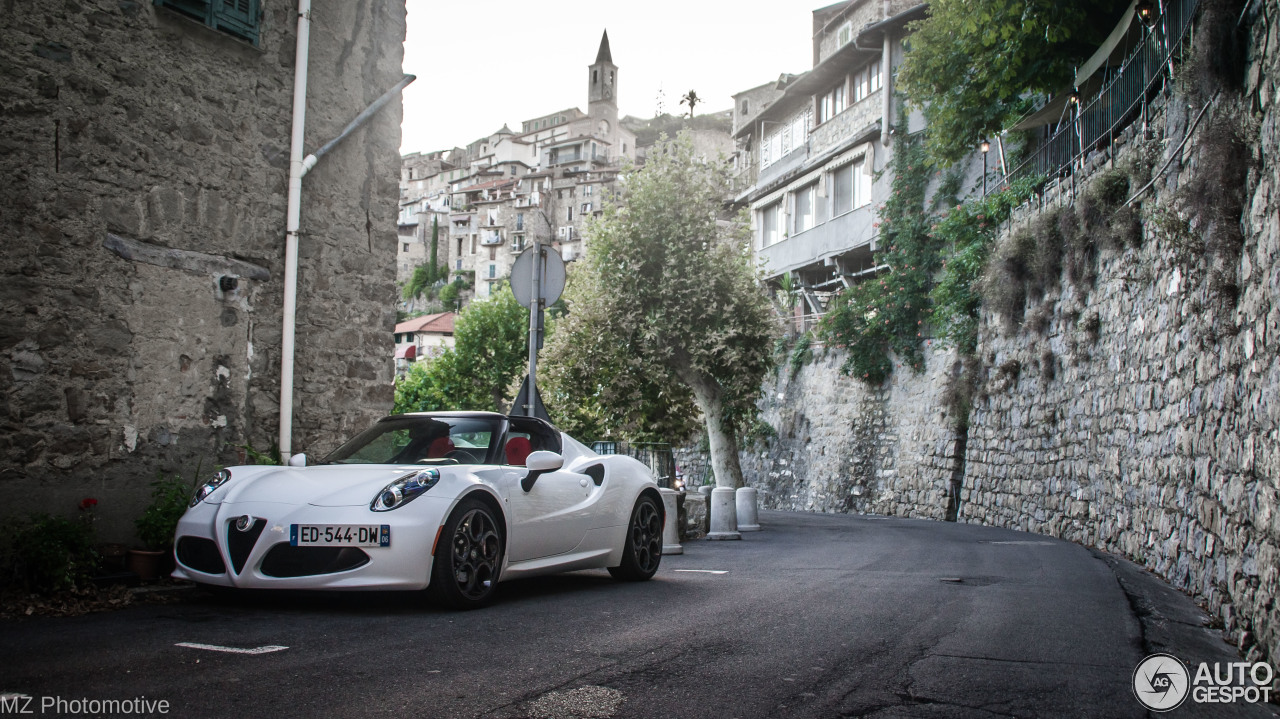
<point x="420" y="440"/>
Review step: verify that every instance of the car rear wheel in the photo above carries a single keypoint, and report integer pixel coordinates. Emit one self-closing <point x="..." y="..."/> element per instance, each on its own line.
<point x="642" y="550"/>
<point x="468" y="557"/>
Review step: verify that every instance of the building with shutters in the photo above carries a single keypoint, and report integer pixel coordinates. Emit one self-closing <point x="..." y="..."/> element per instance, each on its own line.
<point x="146" y="163"/>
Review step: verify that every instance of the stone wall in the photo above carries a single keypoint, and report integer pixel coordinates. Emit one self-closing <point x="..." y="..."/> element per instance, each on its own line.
<point x="842" y="446"/>
<point x="1143" y="420"/>
<point x="1137" y="411"/>
<point x="143" y="213"/>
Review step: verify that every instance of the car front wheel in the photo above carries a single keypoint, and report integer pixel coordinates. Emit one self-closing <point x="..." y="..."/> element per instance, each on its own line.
<point x="468" y="557"/>
<point x="642" y="550"/>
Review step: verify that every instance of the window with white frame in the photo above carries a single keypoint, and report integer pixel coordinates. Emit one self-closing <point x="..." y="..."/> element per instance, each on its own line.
<point x="850" y="187"/>
<point x="805" y="201"/>
<point x="866" y="81"/>
<point x="769" y="218"/>
<point x="788" y="137"/>
<point x="845" y="36"/>
<point x="831" y="103"/>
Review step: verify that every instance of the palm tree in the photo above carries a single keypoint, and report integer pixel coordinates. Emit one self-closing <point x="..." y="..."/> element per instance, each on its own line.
<point x="690" y="99"/>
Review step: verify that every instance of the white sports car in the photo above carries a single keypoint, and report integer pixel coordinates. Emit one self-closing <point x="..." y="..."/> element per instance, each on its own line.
<point x="452" y="502"/>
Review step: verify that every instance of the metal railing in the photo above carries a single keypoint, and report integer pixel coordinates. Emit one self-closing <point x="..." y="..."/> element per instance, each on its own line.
<point x="1121" y="101"/>
<point x="656" y="456"/>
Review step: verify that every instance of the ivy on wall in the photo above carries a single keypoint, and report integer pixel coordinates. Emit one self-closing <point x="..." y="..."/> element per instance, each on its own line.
<point x="887" y="313"/>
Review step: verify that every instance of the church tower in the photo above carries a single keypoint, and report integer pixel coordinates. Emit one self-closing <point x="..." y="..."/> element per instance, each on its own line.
<point x="603" y="79"/>
<point x="602" y="97"/>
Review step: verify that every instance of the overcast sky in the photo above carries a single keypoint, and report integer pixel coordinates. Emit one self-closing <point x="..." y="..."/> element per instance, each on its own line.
<point x="482" y="63"/>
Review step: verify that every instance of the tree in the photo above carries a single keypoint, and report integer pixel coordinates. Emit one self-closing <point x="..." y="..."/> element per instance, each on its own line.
<point x="435" y="250"/>
<point x="691" y="99"/>
<point x="491" y="341"/>
<point x="973" y="64"/>
<point x="669" y="306"/>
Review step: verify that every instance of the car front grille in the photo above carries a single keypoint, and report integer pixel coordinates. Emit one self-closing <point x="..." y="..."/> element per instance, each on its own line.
<point x="240" y="543"/>
<point x="201" y="555"/>
<point x="285" y="560"/>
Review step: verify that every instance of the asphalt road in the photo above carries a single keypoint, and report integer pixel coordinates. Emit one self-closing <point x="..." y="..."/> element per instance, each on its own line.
<point x="816" y="616"/>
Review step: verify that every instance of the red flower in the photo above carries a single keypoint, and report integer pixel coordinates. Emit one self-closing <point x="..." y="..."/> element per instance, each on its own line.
<point x="88" y="503"/>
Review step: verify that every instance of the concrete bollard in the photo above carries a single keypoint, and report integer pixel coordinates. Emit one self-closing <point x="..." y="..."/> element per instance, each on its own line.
<point x="724" y="516"/>
<point x="705" y="490"/>
<point x="748" y="517"/>
<point x="670" y="530"/>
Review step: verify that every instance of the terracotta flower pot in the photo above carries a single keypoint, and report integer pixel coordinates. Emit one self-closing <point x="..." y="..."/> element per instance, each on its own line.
<point x="145" y="563"/>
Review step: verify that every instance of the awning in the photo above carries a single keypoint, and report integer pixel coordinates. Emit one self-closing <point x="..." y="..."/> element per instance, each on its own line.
<point x="1114" y="49"/>
<point x="407" y="352"/>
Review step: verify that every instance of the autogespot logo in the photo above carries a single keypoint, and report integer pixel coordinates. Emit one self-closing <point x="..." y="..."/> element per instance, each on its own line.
<point x="1161" y="682"/>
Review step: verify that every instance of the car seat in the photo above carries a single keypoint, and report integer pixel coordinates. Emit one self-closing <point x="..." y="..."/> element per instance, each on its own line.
<point x="518" y="449"/>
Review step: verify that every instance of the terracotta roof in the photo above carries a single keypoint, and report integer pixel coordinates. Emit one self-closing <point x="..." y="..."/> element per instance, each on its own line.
<point x="441" y="323"/>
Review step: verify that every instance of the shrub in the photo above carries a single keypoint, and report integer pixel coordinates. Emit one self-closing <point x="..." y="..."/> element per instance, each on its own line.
<point x="50" y="554"/>
<point x="159" y="521"/>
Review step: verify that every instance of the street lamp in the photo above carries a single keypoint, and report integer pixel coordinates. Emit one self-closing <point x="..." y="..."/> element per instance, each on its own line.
<point x="986" y="146"/>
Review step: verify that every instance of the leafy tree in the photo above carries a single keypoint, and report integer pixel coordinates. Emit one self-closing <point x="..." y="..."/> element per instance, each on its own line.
<point x="433" y="268"/>
<point x="669" y="306"/>
<point x="594" y="389"/>
<point x="972" y="64"/>
<point x="491" y="341"/>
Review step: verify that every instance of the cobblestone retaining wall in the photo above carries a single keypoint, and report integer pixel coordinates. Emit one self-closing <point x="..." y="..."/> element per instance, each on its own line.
<point x="844" y="447"/>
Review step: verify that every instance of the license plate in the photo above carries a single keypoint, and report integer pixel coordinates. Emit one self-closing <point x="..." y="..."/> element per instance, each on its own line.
<point x="340" y="535"/>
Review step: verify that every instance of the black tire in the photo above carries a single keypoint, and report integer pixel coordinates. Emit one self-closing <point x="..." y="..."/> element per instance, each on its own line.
<point x="642" y="550"/>
<point x="468" y="557"/>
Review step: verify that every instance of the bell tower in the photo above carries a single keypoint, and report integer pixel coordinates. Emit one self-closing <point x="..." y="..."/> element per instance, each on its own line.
<point x="602" y="79"/>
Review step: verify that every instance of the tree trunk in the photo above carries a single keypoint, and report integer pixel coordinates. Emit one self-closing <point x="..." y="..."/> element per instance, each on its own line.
<point x="720" y="433"/>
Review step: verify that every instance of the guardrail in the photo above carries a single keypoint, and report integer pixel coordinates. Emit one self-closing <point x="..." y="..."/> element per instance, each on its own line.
<point x="656" y="455"/>
<point x="1121" y="101"/>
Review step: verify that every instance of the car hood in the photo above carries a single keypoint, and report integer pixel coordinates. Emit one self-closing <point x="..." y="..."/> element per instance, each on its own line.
<point x="322" y="486"/>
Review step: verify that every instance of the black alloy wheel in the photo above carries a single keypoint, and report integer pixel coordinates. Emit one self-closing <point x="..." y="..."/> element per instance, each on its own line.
<point x="468" y="558"/>
<point x="642" y="551"/>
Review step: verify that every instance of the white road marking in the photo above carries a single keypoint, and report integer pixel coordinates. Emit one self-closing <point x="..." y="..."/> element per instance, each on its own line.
<point x="1028" y="543"/>
<point x="704" y="571"/>
<point x="232" y="650"/>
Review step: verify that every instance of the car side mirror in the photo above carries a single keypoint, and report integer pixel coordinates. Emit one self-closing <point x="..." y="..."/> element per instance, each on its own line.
<point x="298" y="460"/>
<point x="539" y="463"/>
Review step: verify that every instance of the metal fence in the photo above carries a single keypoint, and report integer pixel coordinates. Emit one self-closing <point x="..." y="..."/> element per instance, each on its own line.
<point x="656" y="456"/>
<point x="1122" y="99"/>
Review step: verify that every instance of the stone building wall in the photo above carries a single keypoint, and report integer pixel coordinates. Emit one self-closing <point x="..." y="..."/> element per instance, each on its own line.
<point x="143" y="212"/>
<point x="841" y="446"/>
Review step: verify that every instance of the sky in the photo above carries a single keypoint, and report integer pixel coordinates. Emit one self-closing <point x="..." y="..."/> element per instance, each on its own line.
<point x="483" y="63"/>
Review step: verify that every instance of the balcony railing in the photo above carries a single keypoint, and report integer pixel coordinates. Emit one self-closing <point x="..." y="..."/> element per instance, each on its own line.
<point x="1121" y="101"/>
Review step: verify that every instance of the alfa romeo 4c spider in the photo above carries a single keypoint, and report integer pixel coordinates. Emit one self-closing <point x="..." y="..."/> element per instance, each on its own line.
<point x="450" y="502"/>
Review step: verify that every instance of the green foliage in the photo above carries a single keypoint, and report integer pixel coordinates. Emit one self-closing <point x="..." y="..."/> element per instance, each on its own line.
<point x="668" y="309"/>
<point x="159" y="521"/>
<point x="973" y="64"/>
<point x="253" y="456"/>
<point x="968" y="232"/>
<point x="434" y="270"/>
<point x="887" y="313"/>
<point x="424" y="282"/>
<point x="491" y="341"/>
<point x="801" y="354"/>
<point x="50" y="554"/>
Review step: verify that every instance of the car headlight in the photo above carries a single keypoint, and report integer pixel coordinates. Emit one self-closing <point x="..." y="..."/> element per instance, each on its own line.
<point x="207" y="488"/>
<point x="404" y="490"/>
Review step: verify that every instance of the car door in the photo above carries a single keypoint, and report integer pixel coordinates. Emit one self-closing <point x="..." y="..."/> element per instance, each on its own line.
<point x="553" y="516"/>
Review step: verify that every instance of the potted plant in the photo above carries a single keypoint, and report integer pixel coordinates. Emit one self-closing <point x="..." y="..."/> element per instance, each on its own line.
<point x="157" y="525"/>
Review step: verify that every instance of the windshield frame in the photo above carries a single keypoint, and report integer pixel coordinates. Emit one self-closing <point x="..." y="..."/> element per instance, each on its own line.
<point x="497" y="432"/>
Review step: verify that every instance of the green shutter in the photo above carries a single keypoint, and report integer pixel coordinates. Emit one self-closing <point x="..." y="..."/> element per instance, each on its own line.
<point x="198" y="9"/>
<point x="237" y="17"/>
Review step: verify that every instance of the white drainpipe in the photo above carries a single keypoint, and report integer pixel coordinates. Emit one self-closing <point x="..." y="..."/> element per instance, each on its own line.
<point x="886" y="87"/>
<point x="294" y="212"/>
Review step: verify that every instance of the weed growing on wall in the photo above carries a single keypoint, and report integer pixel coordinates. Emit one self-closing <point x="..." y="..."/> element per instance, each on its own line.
<point x="968" y="234"/>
